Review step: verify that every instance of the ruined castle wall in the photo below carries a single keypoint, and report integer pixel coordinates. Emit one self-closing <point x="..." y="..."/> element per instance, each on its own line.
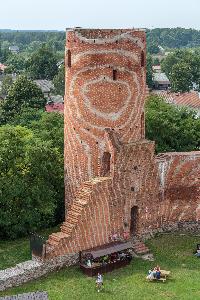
<point x="105" y="88"/>
<point x="180" y="186"/>
<point x="136" y="184"/>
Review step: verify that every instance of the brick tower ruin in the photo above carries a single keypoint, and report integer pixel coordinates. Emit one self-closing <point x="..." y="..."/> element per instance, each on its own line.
<point x="114" y="183"/>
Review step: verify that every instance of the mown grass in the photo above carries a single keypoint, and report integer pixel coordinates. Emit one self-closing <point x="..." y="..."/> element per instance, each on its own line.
<point x="172" y="252"/>
<point x="13" y="252"/>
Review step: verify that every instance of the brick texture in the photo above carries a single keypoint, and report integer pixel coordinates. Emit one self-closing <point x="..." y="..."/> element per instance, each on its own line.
<point x="114" y="183"/>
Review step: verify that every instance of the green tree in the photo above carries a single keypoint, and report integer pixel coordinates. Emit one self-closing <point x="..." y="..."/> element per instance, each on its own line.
<point x="59" y="81"/>
<point x="152" y="47"/>
<point x="23" y="93"/>
<point x="183" y="68"/>
<point x="6" y="84"/>
<point x="16" y="63"/>
<point x="172" y="128"/>
<point x="181" y="77"/>
<point x="31" y="172"/>
<point x="42" y="64"/>
<point x="149" y="79"/>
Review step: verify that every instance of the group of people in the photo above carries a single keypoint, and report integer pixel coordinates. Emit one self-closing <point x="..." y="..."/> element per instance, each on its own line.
<point x="154" y="273"/>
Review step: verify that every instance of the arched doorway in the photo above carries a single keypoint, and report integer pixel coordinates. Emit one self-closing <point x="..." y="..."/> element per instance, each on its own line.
<point x="134" y="220"/>
<point x="105" y="164"/>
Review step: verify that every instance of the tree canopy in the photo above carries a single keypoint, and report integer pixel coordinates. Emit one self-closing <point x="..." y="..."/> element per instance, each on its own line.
<point x="42" y="64"/>
<point x="172" y="128"/>
<point x="22" y="93"/>
<point x="183" y="69"/>
<point x="59" y="81"/>
<point x="31" y="171"/>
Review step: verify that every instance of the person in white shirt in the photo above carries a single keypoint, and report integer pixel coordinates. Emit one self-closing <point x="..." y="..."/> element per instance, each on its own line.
<point x="99" y="282"/>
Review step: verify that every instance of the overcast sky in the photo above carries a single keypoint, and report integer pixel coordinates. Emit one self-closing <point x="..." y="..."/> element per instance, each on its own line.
<point x="59" y="14"/>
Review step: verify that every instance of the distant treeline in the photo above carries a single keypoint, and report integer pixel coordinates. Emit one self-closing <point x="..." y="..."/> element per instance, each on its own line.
<point x="165" y="37"/>
<point x="174" y="37"/>
<point x="25" y="39"/>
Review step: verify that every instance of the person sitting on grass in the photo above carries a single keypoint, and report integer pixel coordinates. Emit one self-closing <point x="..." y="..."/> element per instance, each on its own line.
<point x="150" y="275"/>
<point x="197" y="253"/>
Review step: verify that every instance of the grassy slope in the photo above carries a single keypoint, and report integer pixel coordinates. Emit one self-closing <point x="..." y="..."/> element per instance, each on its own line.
<point x="172" y="252"/>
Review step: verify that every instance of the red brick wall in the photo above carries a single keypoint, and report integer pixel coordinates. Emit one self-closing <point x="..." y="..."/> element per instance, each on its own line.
<point x="180" y="186"/>
<point x="109" y="167"/>
<point x="94" y="100"/>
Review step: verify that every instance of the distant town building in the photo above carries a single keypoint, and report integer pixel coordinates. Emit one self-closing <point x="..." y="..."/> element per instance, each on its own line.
<point x="14" y="49"/>
<point x="46" y="86"/>
<point x="160" y="81"/>
<point x="156" y="69"/>
<point x="54" y="107"/>
<point x="60" y="63"/>
<point x="190" y="100"/>
<point x="2" y="68"/>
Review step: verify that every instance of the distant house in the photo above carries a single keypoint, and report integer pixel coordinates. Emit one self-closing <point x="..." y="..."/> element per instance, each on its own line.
<point x="14" y="49"/>
<point x="60" y="63"/>
<point x="2" y="68"/>
<point x="54" y="107"/>
<point x="156" y="69"/>
<point x="46" y="86"/>
<point x="160" y="81"/>
<point x="190" y="100"/>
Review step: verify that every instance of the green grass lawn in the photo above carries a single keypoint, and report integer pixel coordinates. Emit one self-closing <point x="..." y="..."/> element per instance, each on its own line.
<point x="172" y="252"/>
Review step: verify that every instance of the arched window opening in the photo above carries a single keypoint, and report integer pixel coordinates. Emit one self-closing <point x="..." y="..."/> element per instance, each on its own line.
<point x="69" y="58"/>
<point x="114" y="74"/>
<point x="142" y="59"/>
<point x="134" y="220"/>
<point x="105" y="164"/>
<point x="142" y="126"/>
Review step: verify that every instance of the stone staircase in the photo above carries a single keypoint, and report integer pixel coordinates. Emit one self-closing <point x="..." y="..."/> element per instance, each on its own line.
<point x="140" y="248"/>
<point x="70" y="227"/>
<point x="67" y="227"/>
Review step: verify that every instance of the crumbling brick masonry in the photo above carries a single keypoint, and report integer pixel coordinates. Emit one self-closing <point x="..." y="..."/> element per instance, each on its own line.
<point x="114" y="182"/>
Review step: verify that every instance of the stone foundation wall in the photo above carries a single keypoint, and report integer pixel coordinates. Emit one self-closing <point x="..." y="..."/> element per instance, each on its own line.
<point x="33" y="269"/>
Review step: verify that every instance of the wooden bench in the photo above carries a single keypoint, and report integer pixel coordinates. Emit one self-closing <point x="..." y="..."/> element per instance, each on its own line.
<point x="163" y="276"/>
<point x="163" y="279"/>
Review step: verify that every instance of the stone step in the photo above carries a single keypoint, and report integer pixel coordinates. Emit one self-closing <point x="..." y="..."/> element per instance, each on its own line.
<point x="140" y="248"/>
<point x="66" y="230"/>
<point x="72" y="216"/>
<point x="67" y="225"/>
<point x="72" y="220"/>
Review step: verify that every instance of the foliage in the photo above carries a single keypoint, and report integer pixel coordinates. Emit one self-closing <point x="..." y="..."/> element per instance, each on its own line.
<point x="26" y="117"/>
<point x="59" y="81"/>
<point x="22" y="93"/>
<point x="172" y="252"/>
<point x="149" y="71"/>
<point x="183" y="69"/>
<point x="42" y="64"/>
<point x="172" y="129"/>
<point x="181" y="77"/>
<point x="156" y="61"/>
<point x="16" y="63"/>
<point x="174" y="37"/>
<point x="152" y="47"/>
<point x="6" y="84"/>
<point x="24" y="39"/>
<point x="31" y="173"/>
<point x="50" y="128"/>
